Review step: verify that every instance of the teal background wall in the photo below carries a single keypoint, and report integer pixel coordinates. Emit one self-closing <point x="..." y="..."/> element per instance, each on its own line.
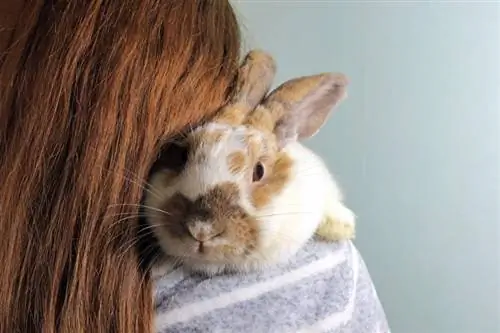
<point x="415" y="146"/>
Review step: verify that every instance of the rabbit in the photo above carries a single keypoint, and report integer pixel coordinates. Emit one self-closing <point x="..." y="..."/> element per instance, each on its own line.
<point x="240" y="192"/>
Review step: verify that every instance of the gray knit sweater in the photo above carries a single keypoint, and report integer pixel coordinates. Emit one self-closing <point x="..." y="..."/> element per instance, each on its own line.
<point x="324" y="288"/>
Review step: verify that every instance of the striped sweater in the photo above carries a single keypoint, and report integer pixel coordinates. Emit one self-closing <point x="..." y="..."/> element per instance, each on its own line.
<point x="324" y="288"/>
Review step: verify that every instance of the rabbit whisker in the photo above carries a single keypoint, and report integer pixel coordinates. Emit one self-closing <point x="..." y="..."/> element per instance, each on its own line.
<point x="126" y="218"/>
<point x="284" y="214"/>
<point x="141" y="206"/>
<point x="134" y="179"/>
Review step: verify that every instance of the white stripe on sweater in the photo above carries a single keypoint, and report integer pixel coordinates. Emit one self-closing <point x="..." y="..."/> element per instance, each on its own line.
<point x="192" y="310"/>
<point x="338" y="319"/>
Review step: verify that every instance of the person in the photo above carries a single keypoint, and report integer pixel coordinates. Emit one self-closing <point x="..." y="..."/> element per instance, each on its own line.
<point x="89" y="92"/>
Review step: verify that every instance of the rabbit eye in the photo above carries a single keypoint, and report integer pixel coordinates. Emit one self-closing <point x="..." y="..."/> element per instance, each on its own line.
<point x="258" y="172"/>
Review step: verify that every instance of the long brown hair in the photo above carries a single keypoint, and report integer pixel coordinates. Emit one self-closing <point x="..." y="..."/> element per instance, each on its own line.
<point x="89" y="91"/>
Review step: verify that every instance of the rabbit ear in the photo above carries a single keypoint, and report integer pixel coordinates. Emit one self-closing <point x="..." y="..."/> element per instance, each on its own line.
<point x="254" y="80"/>
<point x="301" y="106"/>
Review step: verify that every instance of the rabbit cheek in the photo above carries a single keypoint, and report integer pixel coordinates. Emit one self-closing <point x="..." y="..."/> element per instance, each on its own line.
<point x="245" y="233"/>
<point x="238" y="240"/>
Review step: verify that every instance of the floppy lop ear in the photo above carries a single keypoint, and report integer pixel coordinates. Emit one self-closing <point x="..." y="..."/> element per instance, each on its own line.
<point x="302" y="105"/>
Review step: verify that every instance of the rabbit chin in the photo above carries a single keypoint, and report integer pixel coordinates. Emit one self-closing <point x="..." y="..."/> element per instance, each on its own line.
<point x="168" y="264"/>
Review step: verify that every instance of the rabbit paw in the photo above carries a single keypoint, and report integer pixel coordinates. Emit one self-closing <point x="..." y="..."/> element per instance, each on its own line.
<point x="338" y="224"/>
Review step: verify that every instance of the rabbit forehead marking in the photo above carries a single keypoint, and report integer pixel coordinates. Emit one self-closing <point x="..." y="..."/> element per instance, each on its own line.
<point x="224" y="133"/>
<point x="235" y="146"/>
<point x="237" y="162"/>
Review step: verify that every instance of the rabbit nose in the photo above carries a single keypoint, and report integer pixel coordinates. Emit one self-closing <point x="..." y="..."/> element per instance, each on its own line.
<point x="202" y="231"/>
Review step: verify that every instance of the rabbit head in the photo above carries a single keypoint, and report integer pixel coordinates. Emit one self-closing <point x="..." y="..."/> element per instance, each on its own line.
<point x="213" y="207"/>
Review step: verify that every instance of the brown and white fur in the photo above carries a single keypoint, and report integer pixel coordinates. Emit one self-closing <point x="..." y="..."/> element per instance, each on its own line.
<point x="245" y="193"/>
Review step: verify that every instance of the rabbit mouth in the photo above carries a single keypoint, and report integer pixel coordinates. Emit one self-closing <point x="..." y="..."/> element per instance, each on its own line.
<point x="211" y="252"/>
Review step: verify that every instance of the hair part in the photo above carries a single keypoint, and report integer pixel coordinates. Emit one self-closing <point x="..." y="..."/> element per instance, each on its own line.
<point x="89" y="92"/>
